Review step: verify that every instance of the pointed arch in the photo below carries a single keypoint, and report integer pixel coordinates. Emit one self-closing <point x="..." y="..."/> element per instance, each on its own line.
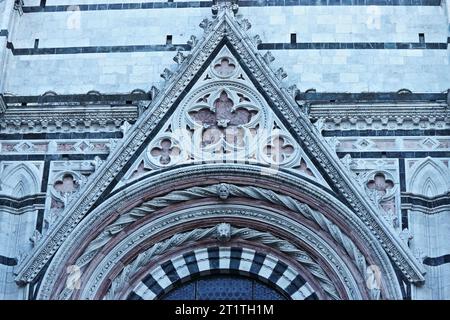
<point x="20" y="180"/>
<point x="227" y="31"/>
<point x="429" y="178"/>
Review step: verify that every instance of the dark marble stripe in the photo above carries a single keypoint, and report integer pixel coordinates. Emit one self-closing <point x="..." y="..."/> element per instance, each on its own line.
<point x="99" y="49"/>
<point x="257" y="263"/>
<point x="191" y="262"/>
<point x="170" y="271"/>
<point x="296" y="284"/>
<point x="152" y="284"/>
<point x="242" y="3"/>
<point x="342" y="97"/>
<point x="134" y="296"/>
<point x="235" y="258"/>
<point x="396" y="154"/>
<point x="4" y="33"/>
<point x="437" y="261"/>
<point x="50" y="157"/>
<point x="426" y="202"/>
<point x="262" y="46"/>
<point x="352" y="45"/>
<point x="312" y="296"/>
<point x="59" y="136"/>
<point x="77" y="98"/>
<point x="385" y="133"/>
<point x="278" y="271"/>
<point x="10" y="202"/>
<point x="404" y="219"/>
<point x="8" y="261"/>
<point x="401" y="169"/>
<point x="40" y="220"/>
<point x="213" y="257"/>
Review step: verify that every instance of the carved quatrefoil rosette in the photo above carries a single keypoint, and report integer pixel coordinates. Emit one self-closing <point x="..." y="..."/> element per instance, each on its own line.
<point x="165" y="151"/>
<point x="66" y="184"/>
<point x="279" y="149"/>
<point x="224" y="120"/>
<point x="224" y="67"/>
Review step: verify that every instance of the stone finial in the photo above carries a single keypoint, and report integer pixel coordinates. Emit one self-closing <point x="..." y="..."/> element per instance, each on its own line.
<point x="206" y="24"/>
<point x="347" y="161"/>
<point x="293" y="91"/>
<point x="406" y="236"/>
<point x="35" y="238"/>
<point x="219" y="5"/>
<point x="154" y="92"/>
<point x="192" y="42"/>
<point x="18" y="5"/>
<point x="281" y="74"/>
<point x="268" y="57"/>
<point x="179" y="57"/>
<point x="223" y="191"/>
<point x="245" y="24"/>
<point x="257" y="40"/>
<point x="223" y="232"/>
<point x="125" y="127"/>
<point x="166" y="74"/>
<point x="97" y="162"/>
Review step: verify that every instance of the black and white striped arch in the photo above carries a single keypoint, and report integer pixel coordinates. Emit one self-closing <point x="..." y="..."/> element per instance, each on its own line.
<point x="223" y="260"/>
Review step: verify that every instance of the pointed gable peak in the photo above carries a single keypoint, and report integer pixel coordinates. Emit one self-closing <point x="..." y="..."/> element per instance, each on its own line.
<point x="225" y="33"/>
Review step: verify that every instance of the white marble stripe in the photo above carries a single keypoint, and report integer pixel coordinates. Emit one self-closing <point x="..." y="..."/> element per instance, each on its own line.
<point x="246" y="260"/>
<point x="180" y="266"/>
<point x="306" y="290"/>
<point x="286" y="278"/>
<point x="144" y="292"/>
<point x="202" y="259"/>
<point x="267" y="267"/>
<point x="224" y="258"/>
<point x="160" y="276"/>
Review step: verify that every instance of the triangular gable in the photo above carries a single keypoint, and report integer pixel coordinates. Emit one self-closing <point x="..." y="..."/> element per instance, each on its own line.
<point x="225" y="30"/>
<point x="224" y="119"/>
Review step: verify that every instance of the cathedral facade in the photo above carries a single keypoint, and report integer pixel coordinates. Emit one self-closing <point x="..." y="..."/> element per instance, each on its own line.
<point x="225" y="150"/>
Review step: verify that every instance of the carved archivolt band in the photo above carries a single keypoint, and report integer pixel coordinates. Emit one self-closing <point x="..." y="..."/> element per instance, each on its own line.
<point x="223" y="191"/>
<point x="198" y="234"/>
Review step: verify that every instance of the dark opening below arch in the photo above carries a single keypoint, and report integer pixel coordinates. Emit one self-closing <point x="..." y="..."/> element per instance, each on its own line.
<point x="223" y="287"/>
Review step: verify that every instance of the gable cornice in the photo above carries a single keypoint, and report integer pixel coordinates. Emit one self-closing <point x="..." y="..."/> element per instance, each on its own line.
<point x="225" y="29"/>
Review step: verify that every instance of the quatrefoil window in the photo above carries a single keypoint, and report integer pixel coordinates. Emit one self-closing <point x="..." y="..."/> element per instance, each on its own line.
<point x="279" y="150"/>
<point x="224" y="67"/>
<point x="165" y="152"/>
<point x="223" y="120"/>
<point x="66" y="185"/>
<point x="380" y="184"/>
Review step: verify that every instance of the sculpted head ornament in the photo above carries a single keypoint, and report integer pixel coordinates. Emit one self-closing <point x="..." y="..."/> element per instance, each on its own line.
<point x="223" y="191"/>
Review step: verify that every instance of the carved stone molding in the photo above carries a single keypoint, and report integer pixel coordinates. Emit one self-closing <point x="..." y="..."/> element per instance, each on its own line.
<point x="247" y="234"/>
<point x="227" y="170"/>
<point x="279" y="99"/>
<point x="66" y="118"/>
<point x="94" y="278"/>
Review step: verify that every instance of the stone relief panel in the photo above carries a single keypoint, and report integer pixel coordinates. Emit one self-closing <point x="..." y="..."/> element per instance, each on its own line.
<point x="381" y="190"/>
<point x="20" y="179"/>
<point x="429" y="177"/>
<point x="224" y="119"/>
<point x="351" y="144"/>
<point x="66" y="178"/>
<point x="380" y="180"/>
<point x="96" y="146"/>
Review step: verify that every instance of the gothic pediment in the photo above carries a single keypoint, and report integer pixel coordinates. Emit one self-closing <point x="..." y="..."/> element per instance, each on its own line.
<point x="194" y="108"/>
<point x="224" y="119"/>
